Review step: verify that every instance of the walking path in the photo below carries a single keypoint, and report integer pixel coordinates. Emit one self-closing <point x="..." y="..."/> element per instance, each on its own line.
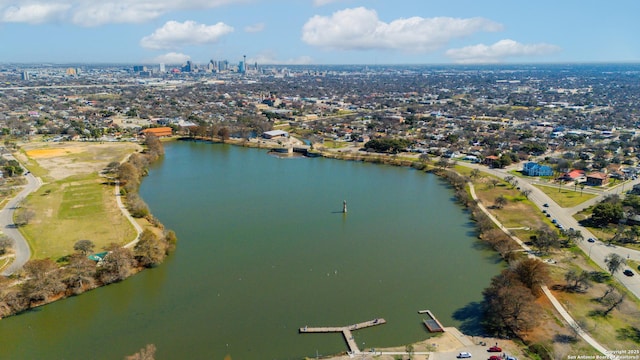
<point x="127" y="214"/>
<point x="556" y="304"/>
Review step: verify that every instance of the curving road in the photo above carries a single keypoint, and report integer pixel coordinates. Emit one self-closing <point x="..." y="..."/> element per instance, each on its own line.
<point x="20" y="245"/>
<point x="597" y="250"/>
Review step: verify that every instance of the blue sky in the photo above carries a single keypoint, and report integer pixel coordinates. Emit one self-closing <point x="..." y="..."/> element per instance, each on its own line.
<point x="319" y="31"/>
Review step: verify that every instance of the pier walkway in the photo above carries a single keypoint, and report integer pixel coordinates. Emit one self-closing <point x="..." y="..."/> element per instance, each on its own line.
<point x="346" y="332"/>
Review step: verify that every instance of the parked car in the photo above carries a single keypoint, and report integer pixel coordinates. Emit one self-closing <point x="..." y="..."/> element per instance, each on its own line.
<point x="495" y="357"/>
<point x="628" y="272"/>
<point x="545" y="205"/>
<point x="591" y="240"/>
<point x="494" y="349"/>
<point x="511" y="358"/>
<point x="464" y="355"/>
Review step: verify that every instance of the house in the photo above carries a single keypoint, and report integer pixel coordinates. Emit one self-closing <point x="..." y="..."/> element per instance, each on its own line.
<point x="574" y="175"/>
<point x="492" y="161"/>
<point x="534" y="169"/>
<point x="159" y="131"/>
<point x="274" y="134"/>
<point x="597" y="179"/>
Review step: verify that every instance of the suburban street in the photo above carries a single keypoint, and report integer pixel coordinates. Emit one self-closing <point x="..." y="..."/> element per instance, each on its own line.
<point x="597" y="250"/>
<point x="20" y="246"/>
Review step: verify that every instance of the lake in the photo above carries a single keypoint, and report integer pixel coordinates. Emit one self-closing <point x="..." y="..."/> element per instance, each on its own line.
<point x="264" y="249"/>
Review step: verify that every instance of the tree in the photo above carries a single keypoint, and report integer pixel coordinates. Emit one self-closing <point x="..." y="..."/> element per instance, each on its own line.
<point x="475" y="173"/>
<point x="544" y="239"/>
<point x="612" y="301"/>
<point x="116" y="265"/>
<point x="501" y="201"/>
<point x="79" y="274"/>
<point x="223" y="133"/>
<point x="574" y="236"/>
<point x="509" y="306"/>
<point x="494" y="182"/>
<point x="84" y="246"/>
<point x="614" y="262"/>
<point x="607" y="212"/>
<point x="577" y="281"/>
<point x="149" y="250"/>
<point x="526" y="193"/>
<point x="43" y="279"/>
<point x="24" y="217"/>
<point x="5" y="243"/>
<point x="531" y="272"/>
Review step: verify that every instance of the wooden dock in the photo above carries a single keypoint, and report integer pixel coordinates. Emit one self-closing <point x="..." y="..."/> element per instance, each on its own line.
<point x="432" y="323"/>
<point x="346" y="332"/>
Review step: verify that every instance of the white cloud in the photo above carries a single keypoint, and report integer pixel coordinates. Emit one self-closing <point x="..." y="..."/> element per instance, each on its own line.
<point x="361" y="29"/>
<point x="499" y="51"/>
<point x="270" y="57"/>
<point x="95" y="13"/>
<point x="172" y="58"/>
<point x="175" y="35"/>
<point x="255" y="28"/>
<point x="34" y="13"/>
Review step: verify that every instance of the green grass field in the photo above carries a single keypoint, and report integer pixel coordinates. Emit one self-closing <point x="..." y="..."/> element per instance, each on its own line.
<point x="74" y="209"/>
<point x="566" y="197"/>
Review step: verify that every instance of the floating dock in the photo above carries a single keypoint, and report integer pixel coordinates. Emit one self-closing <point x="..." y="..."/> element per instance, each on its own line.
<point x="432" y="324"/>
<point x="346" y="332"/>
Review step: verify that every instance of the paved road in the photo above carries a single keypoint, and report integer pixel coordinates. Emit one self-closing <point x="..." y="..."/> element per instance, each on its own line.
<point x="21" y="247"/>
<point x="598" y="250"/>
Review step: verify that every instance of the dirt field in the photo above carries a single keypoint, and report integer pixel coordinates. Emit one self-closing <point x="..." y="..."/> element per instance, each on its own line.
<point x="63" y="159"/>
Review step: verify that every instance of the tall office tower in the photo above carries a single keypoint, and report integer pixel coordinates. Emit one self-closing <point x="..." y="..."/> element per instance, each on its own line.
<point x="162" y="68"/>
<point x="241" y="68"/>
<point x="25" y="76"/>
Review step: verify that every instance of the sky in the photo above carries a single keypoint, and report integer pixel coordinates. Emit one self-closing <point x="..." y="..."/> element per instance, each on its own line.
<point x="372" y="32"/>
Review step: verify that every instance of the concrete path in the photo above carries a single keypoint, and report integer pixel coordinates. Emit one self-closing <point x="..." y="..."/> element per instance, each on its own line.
<point x="127" y="214"/>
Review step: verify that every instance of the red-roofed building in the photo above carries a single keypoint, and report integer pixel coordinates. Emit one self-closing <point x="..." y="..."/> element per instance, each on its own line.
<point x="159" y="131"/>
<point x="597" y="179"/>
<point x="574" y="175"/>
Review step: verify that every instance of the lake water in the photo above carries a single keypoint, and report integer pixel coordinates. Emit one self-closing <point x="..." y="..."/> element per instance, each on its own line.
<point x="264" y="249"/>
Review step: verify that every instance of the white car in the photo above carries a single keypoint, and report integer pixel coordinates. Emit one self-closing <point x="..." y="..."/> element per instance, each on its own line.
<point x="464" y="355"/>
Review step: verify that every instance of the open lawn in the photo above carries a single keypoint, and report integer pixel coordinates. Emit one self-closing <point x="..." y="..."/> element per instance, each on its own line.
<point x="74" y="203"/>
<point x="566" y="197"/>
<point x="74" y="209"/>
<point x="56" y="160"/>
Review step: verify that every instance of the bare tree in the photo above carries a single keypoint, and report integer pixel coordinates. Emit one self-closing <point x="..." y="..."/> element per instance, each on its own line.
<point x="614" y="262"/>
<point x="149" y="250"/>
<point x="43" y="279"/>
<point x="79" y="274"/>
<point x="24" y="217"/>
<point x="501" y="201"/>
<point x="116" y="265"/>
<point x="526" y="193"/>
<point x="5" y="243"/>
<point x="577" y="281"/>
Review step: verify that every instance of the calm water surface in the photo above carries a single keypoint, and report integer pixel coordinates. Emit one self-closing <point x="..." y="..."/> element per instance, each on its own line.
<point x="264" y="250"/>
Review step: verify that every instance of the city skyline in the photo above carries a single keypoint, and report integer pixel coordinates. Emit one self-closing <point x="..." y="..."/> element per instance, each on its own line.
<point x="317" y="32"/>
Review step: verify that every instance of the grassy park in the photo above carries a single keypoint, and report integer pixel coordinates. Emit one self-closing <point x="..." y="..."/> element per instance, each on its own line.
<point x="74" y="203"/>
<point x="566" y="196"/>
